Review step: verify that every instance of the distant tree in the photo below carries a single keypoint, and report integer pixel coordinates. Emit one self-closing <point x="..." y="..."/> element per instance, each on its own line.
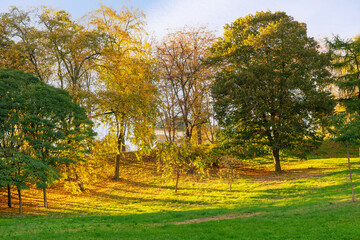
<point x="270" y="89"/>
<point x="54" y="47"/>
<point x="184" y="81"/>
<point x="40" y="126"/>
<point x="20" y="26"/>
<point x="10" y="54"/>
<point x="74" y="49"/>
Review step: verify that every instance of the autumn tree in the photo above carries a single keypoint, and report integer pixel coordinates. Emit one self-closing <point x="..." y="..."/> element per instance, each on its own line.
<point x="21" y="27"/>
<point x="74" y="49"/>
<point x="184" y="81"/>
<point x="10" y="55"/>
<point x="126" y="96"/>
<point x="270" y="90"/>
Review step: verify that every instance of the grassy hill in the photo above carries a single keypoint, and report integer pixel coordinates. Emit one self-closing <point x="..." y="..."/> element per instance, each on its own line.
<point x="310" y="200"/>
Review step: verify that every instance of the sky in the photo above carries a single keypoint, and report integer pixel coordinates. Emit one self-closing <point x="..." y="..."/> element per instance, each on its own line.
<point x="324" y="18"/>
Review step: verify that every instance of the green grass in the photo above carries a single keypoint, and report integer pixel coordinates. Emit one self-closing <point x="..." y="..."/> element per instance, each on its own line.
<point x="310" y="200"/>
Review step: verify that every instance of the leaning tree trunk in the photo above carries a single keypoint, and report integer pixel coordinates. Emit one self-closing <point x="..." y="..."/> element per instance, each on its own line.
<point x="349" y="165"/>
<point x="276" y="158"/>
<point x="20" y="201"/>
<point x="9" y="195"/>
<point x="45" y="198"/>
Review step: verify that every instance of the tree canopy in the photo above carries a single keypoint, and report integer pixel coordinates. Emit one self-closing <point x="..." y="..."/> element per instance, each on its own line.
<point x="270" y="89"/>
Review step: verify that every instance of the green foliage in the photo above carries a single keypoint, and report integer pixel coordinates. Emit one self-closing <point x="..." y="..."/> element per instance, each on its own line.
<point x="346" y="63"/>
<point x="270" y="90"/>
<point x="41" y="129"/>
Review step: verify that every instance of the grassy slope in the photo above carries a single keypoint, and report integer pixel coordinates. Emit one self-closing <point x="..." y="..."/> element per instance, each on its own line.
<point x="311" y="200"/>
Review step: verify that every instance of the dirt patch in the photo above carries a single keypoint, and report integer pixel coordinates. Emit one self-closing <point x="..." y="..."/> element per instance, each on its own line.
<point x="212" y="218"/>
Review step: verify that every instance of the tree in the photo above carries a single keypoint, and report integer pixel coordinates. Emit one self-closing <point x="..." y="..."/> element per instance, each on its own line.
<point x="348" y="134"/>
<point x="54" y="47"/>
<point x="10" y="55"/>
<point x="20" y="26"/>
<point x="40" y="126"/>
<point x="270" y="89"/>
<point x="13" y="167"/>
<point x="184" y="81"/>
<point x="127" y="94"/>
<point x="74" y="49"/>
<point x="346" y="63"/>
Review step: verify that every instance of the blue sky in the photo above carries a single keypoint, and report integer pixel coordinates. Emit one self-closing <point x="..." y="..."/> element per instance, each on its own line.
<point x="323" y="17"/>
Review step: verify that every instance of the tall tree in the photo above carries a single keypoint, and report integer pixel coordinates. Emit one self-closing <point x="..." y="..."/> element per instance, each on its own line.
<point x="74" y="49"/>
<point x="184" y="81"/>
<point x="126" y="97"/>
<point x="270" y="89"/>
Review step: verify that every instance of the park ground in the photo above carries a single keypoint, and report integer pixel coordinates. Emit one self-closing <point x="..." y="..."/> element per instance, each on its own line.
<point x="311" y="199"/>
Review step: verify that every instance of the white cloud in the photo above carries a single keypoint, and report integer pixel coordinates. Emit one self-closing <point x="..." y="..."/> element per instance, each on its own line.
<point x="323" y="18"/>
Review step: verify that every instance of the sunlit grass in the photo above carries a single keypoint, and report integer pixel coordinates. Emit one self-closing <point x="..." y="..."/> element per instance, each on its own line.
<point x="141" y="191"/>
<point x="143" y="198"/>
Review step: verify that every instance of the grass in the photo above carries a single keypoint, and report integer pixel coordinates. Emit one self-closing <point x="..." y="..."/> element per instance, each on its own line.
<point x="310" y="200"/>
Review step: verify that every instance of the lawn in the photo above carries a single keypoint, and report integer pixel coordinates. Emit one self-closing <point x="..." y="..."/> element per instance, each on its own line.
<point x="310" y="200"/>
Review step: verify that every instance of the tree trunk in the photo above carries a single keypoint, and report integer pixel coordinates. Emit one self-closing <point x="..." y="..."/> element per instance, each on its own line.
<point x="199" y="135"/>
<point x="352" y="188"/>
<point x="177" y="179"/>
<point x="79" y="182"/>
<point x="276" y="158"/>
<point x="45" y="198"/>
<point x="20" y="201"/>
<point x="117" y="166"/>
<point x="121" y="149"/>
<point x="9" y="195"/>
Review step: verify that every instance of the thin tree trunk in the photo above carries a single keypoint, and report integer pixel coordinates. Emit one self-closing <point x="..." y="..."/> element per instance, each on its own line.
<point x="117" y="166"/>
<point x="276" y="158"/>
<point x="121" y="149"/>
<point x="20" y="201"/>
<point x="45" y="198"/>
<point x="231" y="180"/>
<point x="9" y="195"/>
<point x="352" y="188"/>
<point x="177" y="179"/>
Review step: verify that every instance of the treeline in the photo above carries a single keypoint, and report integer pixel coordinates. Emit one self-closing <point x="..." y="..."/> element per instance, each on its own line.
<point x="264" y="87"/>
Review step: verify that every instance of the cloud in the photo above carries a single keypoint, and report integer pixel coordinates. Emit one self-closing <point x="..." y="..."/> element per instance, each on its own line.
<point x="323" y="18"/>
